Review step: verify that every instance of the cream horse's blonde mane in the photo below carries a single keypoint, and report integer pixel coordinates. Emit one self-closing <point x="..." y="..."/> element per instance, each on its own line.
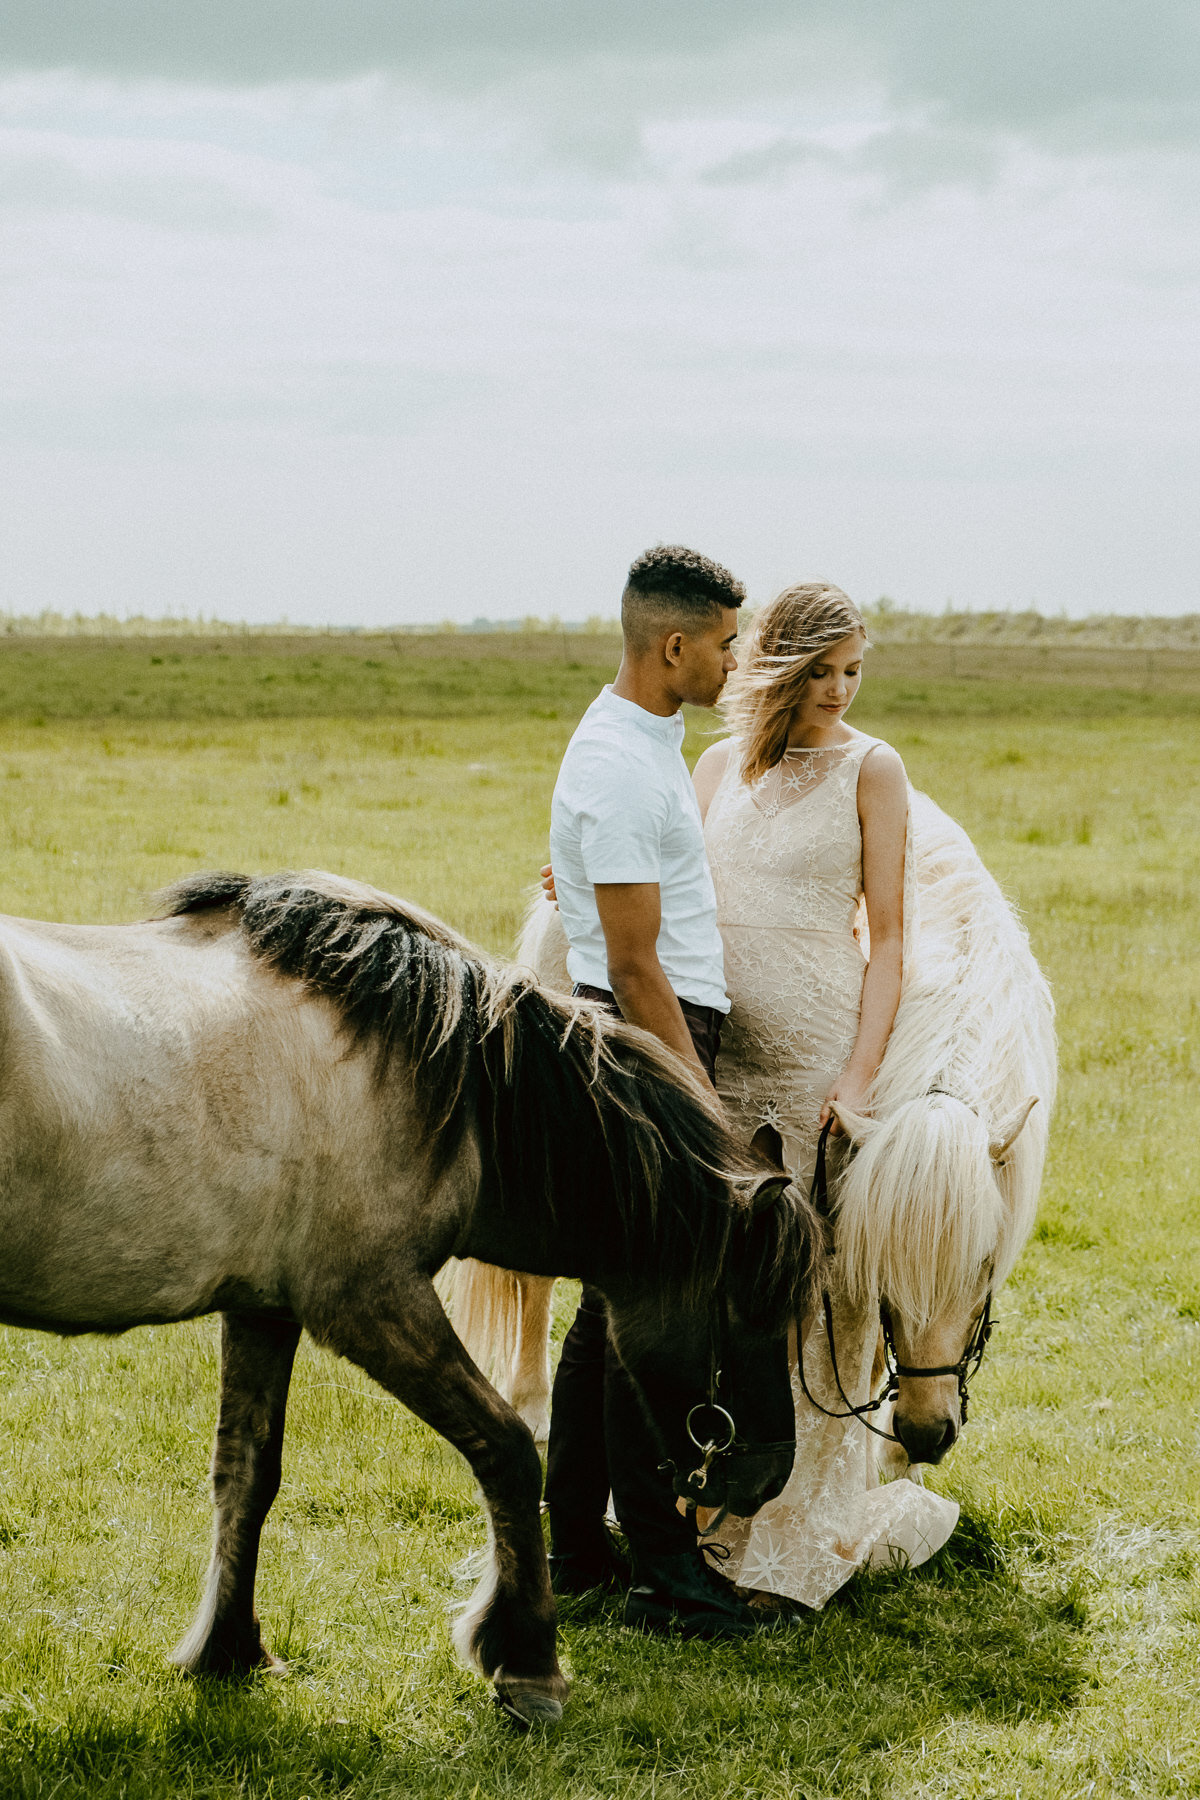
<point x="927" y="1202"/>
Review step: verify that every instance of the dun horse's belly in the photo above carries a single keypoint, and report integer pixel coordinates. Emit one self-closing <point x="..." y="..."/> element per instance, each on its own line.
<point x="108" y="1223"/>
<point x="105" y="1258"/>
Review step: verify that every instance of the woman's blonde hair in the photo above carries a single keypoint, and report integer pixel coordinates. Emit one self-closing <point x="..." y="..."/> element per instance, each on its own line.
<point x="786" y="639"/>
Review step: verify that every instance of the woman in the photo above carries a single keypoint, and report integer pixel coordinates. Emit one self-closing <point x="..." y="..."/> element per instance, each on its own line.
<point x="806" y="830"/>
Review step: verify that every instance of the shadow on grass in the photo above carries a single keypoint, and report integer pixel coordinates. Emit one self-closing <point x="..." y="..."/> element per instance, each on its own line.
<point x="834" y="1697"/>
<point x="825" y="1704"/>
<point x="966" y="1630"/>
<point x="209" y="1741"/>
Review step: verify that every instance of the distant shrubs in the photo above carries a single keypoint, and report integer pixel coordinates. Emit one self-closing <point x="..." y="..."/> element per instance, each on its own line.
<point x="887" y="623"/>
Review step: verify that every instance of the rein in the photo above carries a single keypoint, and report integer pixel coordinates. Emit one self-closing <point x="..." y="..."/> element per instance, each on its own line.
<point x="963" y="1369"/>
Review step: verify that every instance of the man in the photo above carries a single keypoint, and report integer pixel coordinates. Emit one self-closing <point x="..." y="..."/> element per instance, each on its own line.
<point x="637" y="901"/>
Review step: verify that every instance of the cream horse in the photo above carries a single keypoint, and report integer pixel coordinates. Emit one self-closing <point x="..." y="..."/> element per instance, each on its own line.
<point x="934" y="1206"/>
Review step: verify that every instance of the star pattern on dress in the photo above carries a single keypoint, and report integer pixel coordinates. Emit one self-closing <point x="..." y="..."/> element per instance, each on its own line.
<point x="765" y="1563"/>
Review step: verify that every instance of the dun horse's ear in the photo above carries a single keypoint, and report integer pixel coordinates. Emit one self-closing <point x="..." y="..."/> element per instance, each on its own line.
<point x="1009" y="1129"/>
<point x="856" y="1126"/>
<point x="768" y="1192"/>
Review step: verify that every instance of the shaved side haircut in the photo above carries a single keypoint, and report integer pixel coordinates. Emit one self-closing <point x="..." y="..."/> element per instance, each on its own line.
<point x="670" y="589"/>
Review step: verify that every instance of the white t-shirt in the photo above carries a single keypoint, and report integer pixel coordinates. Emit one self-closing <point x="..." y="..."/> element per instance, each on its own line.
<point x="624" y="809"/>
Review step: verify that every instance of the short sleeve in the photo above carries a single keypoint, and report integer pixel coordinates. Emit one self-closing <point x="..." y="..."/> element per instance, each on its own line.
<point x="621" y="831"/>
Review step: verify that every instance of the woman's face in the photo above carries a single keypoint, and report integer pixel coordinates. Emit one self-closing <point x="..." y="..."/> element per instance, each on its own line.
<point x="832" y="684"/>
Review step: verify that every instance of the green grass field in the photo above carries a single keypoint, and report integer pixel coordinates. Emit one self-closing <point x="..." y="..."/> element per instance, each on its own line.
<point x="1049" y="1651"/>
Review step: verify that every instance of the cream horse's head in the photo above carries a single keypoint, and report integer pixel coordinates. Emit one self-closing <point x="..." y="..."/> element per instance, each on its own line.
<point x="932" y="1212"/>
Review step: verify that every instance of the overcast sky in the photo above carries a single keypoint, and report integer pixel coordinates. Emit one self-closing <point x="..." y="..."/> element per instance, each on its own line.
<point x="365" y="311"/>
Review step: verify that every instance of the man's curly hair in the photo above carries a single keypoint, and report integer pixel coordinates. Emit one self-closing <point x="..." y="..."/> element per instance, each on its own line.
<point x="673" y="588"/>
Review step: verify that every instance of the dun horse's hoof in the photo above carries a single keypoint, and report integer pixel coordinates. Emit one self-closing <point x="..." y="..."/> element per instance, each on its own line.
<point x="525" y="1702"/>
<point x="223" y="1661"/>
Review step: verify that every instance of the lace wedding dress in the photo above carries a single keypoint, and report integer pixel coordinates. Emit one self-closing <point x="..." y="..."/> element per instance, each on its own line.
<point x="786" y="858"/>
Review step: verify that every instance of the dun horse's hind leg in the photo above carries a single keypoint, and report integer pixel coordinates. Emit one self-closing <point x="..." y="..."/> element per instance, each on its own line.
<point x="507" y="1630"/>
<point x="256" y="1367"/>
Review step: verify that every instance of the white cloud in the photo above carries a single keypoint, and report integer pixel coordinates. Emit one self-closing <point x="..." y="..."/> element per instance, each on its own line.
<point x="375" y="347"/>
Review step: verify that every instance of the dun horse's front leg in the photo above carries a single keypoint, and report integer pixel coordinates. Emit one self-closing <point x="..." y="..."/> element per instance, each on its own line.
<point x="507" y="1631"/>
<point x="256" y="1367"/>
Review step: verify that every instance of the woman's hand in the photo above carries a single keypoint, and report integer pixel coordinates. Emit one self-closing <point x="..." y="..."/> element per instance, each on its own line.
<point x="548" y="887"/>
<point x="851" y="1092"/>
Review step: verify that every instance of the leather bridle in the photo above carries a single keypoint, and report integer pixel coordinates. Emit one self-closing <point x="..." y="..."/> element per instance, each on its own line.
<point x="962" y="1370"/>
<point x="713" y="1430"/>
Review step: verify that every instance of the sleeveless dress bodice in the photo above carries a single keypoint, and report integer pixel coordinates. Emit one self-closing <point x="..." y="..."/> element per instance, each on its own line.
<point x="786" y="851"/>
<point x="786" y="859"/>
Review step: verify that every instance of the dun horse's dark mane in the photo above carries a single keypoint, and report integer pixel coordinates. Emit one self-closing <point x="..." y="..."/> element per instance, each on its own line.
<point x="573" y="1112"/>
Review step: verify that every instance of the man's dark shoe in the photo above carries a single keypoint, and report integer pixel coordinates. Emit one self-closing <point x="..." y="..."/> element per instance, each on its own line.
<point x="683" y="1595"/>
<point x="581" y="1566"/>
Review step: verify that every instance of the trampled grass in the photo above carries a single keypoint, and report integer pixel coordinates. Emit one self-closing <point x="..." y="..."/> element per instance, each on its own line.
<point x="1048" y="1651"/>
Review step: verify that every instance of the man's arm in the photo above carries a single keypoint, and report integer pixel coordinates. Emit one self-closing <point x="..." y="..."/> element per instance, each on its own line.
<point x="630" y="916"/>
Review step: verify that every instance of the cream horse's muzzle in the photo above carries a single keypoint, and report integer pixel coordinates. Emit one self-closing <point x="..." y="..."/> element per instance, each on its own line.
<point x="925" y="1440"/>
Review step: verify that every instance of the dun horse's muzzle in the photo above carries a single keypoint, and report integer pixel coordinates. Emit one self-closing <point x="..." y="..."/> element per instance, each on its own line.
<point x="739" y="1480"/>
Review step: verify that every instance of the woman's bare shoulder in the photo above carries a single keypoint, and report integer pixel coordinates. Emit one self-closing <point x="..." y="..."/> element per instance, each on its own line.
<point x="714" y="759"/>
<point x="709" y="771"/>
<point x="881" y="775"/>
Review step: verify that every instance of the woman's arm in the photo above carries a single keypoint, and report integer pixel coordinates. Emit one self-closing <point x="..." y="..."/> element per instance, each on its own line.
<point x="706" y="776"/>
<point x="883" y="815"/>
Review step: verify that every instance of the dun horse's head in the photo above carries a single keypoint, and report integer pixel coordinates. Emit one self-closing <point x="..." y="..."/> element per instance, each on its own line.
<point x="712" y="1367"/>
<point x="932" y="1212"/>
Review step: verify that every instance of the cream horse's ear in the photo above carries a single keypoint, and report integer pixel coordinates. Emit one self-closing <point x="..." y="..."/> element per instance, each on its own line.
<point x="856" y="1126"/>
<point x="1009" y="1129"/>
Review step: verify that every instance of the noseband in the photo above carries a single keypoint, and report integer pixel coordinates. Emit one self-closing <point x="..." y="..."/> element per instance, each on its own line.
<point x="712" y="1428"/>
<point x="962" y="1370"/>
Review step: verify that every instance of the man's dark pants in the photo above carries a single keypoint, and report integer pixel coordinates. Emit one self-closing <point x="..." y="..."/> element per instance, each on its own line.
<point x="599" y="1438"/>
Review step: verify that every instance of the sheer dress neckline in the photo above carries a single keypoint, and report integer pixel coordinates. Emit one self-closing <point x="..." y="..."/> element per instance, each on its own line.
<point x="800" y="771"/>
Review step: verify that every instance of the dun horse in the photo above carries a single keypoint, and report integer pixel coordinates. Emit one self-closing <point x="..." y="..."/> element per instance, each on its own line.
<point x="289" y="1101"/>
<point x="932" y="1210"/>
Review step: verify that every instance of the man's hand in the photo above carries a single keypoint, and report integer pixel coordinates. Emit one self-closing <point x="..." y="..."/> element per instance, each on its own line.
<point x="630" y="917"/>
<point x="548" y="887"/>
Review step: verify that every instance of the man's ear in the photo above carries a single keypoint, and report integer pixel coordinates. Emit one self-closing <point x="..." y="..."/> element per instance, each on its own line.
<point x="673" y="648"/>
